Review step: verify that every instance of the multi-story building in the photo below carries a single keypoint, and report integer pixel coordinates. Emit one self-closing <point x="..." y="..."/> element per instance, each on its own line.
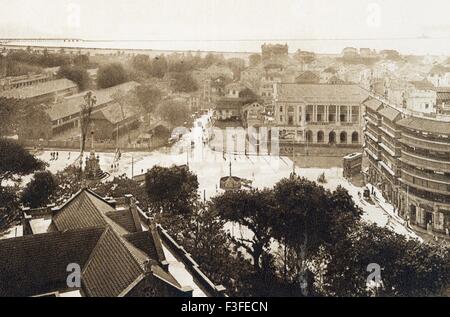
<point x="420" y="96"/>
<point x="320" y="114"/>
<point x="409" y="160"/>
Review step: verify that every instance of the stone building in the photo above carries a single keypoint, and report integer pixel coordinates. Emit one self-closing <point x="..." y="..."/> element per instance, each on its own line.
<point x="409" y="161"/>
<point x="320" y="114"/>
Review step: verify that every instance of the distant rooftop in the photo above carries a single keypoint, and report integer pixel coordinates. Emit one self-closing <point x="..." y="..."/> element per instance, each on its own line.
<point x="39" y="89"/>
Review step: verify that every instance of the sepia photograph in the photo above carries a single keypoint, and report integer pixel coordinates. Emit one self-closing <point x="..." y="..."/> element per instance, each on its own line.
<point x="244" y="151"/>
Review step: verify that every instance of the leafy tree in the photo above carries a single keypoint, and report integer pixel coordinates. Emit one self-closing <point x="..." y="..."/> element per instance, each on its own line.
<point x="9" y="206"/>
<point x="16" y="161"/>
<point x="39" y="191"/>
<point x="111" y="75"/>
<point x="255" y="60"/>
<point x="175" y="112"/>
<point x="77" y="74"/>
<point x="171" y="189"/>
<point x="237" y="65"/>
<point x="9" y="112"/>
<point x="149" y="97"/>
<point x="253" y="209"/>
<point x="121" y="186"/>
<point x="408" y="267"/>
<point x="248" y="95"/>
<point x="159" y="66"/>
<point x="183" y="82"/>
<point x="81" y="60"/>
<point x="34" y="122"/>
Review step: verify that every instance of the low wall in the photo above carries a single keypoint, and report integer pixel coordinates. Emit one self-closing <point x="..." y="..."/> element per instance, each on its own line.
<point x="191" y="266"/>
<point x="99" y="146"/>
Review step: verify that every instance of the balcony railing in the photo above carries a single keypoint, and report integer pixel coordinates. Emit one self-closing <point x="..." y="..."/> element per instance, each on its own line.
<point x="414" y="141"/>
<point x="424" y="162"/>
<point x="425" y="182"/>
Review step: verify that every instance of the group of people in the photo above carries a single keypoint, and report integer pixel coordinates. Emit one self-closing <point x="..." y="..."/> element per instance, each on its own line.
<point x="54" y="156"/>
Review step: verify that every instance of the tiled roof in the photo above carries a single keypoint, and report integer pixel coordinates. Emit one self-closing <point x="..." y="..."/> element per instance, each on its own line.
<point x="72" y="105"/>
<point x="325" y="94"/>
<point x="111" y="267"/>
<point x="40" y="89"/>
<point x="390" y="113"/>
<point x="115" y="113"/>
<point x="83" y="210"/>
<point x="147" y="242"/>
<point x="373" y="104"/>
<point x="113" y="254"/>
<point x="37" y="264"/>
<point x="307" y="77"/>
<point x="123" y="218"/>
<point x="431" y="126"/>
<point x="443" y="97"/>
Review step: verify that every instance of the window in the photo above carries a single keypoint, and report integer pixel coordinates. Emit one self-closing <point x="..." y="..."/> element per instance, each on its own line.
<point x="332" y="137"/>
<point x="290" y="120"/>
<point x="320" y="137"/>
<point x="343" y="114"/>
<point x="332" y="113"/>
<point x="355" y="137"/>
<point x="343" y="137"/>
<point x="309" y="136"/>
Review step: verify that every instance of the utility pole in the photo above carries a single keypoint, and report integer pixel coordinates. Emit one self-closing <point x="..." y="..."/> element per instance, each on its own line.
<point x="132" y="166"/>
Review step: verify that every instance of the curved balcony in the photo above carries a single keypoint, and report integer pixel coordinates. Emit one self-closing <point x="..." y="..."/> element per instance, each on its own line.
<point x="425" y="162"/>
<point x="435" y="183"/>
<point x="428" y="144"/>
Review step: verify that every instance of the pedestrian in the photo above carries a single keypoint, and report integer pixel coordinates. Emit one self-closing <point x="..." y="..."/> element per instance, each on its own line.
<point x="57" y="155"/>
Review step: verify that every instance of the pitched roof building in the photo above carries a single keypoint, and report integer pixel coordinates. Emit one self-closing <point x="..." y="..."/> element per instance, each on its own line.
<point x="47" y="91"/>
<point x="117" y="254"/>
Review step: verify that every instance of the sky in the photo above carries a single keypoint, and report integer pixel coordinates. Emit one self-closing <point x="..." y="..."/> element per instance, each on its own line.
<point x="226" y="20"/>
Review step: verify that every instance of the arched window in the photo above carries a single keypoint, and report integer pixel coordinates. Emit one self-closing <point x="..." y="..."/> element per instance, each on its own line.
<point x="343" y="137"/>
<point x="309" y="136"/>
<point x="355" y="137"/>
<point x="320" y="137"/>
<point x="332" y="137"/>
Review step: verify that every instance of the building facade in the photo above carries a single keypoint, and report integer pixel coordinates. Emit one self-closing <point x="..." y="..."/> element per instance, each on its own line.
<point x="320" y="114"/>
<point x="409" y="161"/>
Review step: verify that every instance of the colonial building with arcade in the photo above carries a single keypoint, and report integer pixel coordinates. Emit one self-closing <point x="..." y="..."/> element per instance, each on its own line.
<point x="320" y="114"/>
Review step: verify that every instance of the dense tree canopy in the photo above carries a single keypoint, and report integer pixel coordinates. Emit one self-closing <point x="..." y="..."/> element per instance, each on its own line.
<point x="255" y="60"/>
<point x="77" y="74"/>
<point x="16" y="161"/>
<point x="254" y="209"/>
<point x="149" y="97"/>
<point x="111" y="75"/>
<point x="171" y="189"/>
<point x="39" y="191"/>
<point x="183" y="82"/>
<point x="173" y="111"/>
<point x="408" y="267"/>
